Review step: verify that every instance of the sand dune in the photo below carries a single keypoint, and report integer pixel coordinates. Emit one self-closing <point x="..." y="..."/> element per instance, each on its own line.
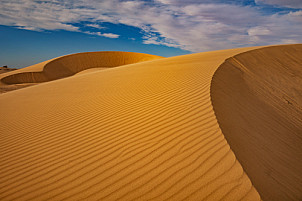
<point x="144" y="131"/>
<point x="67" y="66"/>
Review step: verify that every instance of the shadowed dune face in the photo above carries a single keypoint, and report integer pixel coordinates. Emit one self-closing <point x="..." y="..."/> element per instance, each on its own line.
<point x="257" y="99"/>
<point x="71" y="64"/>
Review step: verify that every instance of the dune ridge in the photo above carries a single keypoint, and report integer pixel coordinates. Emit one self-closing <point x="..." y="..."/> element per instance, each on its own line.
<point x="257" y="100"/>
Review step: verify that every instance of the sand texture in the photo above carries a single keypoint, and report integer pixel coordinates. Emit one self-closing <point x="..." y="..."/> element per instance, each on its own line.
<point x="148" y="131"/>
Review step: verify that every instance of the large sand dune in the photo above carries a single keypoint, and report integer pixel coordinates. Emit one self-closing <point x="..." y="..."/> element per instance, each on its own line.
<point x="144" y="131"/>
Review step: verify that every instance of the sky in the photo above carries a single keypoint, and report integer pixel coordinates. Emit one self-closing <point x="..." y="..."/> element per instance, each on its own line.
<point x="32" y="31"/>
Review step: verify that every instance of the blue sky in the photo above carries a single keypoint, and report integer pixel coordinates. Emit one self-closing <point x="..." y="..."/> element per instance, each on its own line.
<point x="32" y="31"/>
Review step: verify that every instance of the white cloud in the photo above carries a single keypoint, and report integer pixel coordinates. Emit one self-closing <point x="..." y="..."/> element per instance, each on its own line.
<point x="195" y="25"/>
<point x="107" y="35"/>
<point x="97" y="26"/>
<point x="259" y="31"/>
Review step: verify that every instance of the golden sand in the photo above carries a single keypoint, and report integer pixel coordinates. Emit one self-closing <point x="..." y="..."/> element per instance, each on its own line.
<point x="143" y="131"/>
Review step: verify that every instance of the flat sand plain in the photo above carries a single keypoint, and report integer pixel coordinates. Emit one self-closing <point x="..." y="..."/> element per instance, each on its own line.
<point x="148" y="130"/>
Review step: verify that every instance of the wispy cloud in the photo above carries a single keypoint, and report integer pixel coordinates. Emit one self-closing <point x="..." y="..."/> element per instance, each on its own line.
<point x="194" y="25"/>
<point x="107" y="35"/>
<point x="97" y="26"/>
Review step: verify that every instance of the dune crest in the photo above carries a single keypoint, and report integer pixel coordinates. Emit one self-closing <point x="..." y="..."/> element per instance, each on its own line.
<point x="257" y="99"/>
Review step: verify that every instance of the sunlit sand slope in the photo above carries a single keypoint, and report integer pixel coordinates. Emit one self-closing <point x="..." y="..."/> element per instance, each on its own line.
<point x="68" y="65"/>
<point x="257" y="98"/>
<point x="137" y="132"/>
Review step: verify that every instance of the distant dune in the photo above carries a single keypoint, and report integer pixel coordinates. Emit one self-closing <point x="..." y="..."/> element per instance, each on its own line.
<point x="206" y="126"/>
<point x="68" y="65"/>
<point x="5" y="69"/>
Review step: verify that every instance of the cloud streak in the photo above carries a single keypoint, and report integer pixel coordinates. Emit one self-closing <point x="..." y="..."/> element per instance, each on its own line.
<point x="107" y="35"/>
<point x="196" y="25"/>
